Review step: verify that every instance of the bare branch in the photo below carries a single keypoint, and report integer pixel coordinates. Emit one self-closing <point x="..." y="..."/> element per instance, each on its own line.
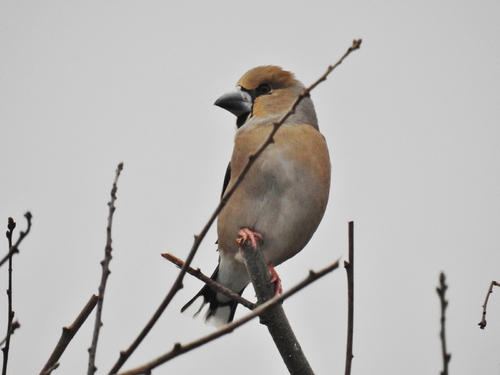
<point x="349" y="267"/>
<point x="441" y="291"/>
<point x="274" y="319"/>
<point x="482" y="323"/>
<point x="11" y="225"/>
<point x="105" y="273"/>
<point x="212" y="283"/>
<point x="67" y="335"/>
<point x="50" y="369"/>
<point x="228" y="328"/>
<point x="124" y="355"/>
<point x="15" y="248"/>
<point x="356" y="44"/>
<point x="15" y="325"/>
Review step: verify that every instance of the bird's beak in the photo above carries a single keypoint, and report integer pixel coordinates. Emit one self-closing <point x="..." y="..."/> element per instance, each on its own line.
<point x="238" y="102"/>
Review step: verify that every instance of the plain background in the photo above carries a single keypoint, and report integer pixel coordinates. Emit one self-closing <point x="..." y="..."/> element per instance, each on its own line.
<point x="412" y="123"/>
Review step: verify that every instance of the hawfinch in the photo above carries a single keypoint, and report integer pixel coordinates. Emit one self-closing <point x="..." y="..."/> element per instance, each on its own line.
<point x="282" y="199"/>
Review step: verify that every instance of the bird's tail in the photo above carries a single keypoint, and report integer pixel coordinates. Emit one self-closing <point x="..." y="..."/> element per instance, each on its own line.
<point x="221" y="309"/>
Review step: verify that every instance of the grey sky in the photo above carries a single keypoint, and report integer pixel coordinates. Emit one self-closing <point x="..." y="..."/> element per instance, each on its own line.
<point x="412" y="123"/>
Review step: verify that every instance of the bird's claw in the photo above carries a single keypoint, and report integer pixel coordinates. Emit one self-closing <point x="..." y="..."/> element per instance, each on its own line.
<point x="278" y="289"/>
<point x="246" y="234"/>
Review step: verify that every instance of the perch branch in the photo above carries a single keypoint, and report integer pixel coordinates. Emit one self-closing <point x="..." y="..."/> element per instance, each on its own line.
<point x="482" y="323"/>
<point x="349" y="267"/>
<point x="274" y="319"/>
<point x="124" y="355"/>
<point x="212" y="283"/>
<point x="104" y="277"/>
<point x="228" y="328"/>
<point x="441" y="291"/>
<point x="67" y="335"/>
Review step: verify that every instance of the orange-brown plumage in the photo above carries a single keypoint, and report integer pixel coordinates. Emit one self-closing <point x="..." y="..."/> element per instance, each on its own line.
<point x="285" y="193"/>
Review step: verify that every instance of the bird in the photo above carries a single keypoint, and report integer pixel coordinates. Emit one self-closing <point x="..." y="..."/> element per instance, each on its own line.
<point x="282" y="199"/>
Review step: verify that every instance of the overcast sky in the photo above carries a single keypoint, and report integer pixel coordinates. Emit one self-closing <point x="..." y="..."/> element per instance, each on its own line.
<point x="412" y="121"/>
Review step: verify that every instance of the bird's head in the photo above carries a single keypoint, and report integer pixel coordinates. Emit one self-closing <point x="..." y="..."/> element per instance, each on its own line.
<point x="263" y="92"/>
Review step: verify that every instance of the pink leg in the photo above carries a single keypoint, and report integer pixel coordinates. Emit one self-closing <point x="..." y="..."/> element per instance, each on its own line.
<point x="276" y="280"/>
<point x="246" y="234"/>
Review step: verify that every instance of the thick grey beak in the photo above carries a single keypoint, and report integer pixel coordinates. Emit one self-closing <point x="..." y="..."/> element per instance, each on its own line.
<point x="238" y="102"/>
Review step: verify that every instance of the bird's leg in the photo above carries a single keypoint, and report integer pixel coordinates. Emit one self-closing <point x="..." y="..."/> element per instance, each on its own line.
<point x="246" y="234"/>
<point x="275" y="278"/>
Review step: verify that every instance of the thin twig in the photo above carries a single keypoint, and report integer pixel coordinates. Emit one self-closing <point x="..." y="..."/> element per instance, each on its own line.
<point x="211" y="283"/>
<point x="349" y="267"/>
<point x="15" y="325"/>
<point x="11" y="225"/>
<point x="67" y="335"/>
<point x="15" y="248"/>
<point x="105" y="273"/>
<point x="274" y="319"/>
<point x="124" y="355"/>
<point x="50" y="369"/>
<point x="482" y="323"/>
<point x="441" y="291"/>
<point x="228" y="328"/>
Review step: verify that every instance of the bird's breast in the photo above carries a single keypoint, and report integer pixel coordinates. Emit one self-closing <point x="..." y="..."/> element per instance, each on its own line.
<point x="284" y="194"/>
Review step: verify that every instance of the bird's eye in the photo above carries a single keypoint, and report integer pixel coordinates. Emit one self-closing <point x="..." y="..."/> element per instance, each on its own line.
<point x="264" y="89"/>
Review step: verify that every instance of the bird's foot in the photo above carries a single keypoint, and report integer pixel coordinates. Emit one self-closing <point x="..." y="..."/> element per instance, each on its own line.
<point x="276" y="280"/>
<point x="246" y="234"/>
<point x="255" y="239"/>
